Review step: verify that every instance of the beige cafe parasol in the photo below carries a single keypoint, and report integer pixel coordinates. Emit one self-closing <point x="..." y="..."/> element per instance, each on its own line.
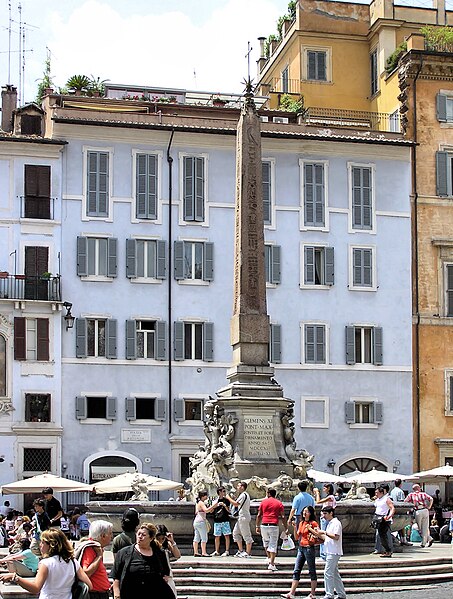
<point x="41" y="481"/>
<point x="127" y="482"/>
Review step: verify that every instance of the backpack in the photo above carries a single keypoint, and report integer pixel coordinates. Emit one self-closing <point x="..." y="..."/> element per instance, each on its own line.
<point x="83" y="523"/>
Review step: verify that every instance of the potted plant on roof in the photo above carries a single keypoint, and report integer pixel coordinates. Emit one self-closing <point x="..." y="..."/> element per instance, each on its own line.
<point x="218" y="101"/>
<point x="96" y="86"/>
<point x="79" y="84"/>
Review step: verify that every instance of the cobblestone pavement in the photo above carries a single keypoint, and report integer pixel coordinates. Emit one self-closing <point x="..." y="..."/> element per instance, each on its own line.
<point x="438" y="591"/>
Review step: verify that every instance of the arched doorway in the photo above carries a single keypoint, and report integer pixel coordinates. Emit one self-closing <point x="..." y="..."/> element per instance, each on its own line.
<point x="361" y="464"/>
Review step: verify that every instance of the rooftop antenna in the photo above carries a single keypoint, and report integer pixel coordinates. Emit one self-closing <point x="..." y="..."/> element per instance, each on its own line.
<point x="194" y="78"/>
<point x="247" y="56"/>
<point x="19" y="8"/>
<point x="9" y="43"/>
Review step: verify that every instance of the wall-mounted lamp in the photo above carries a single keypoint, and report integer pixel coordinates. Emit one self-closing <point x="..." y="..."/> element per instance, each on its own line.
<point x="331" y="463"/>
<point x="64" y="466"/>
<point x="68" y="317"/>
<point x="396" y="466"/>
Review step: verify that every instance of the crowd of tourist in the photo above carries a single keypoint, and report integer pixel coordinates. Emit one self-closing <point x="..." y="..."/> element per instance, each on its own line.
<point x="49" y="550"/>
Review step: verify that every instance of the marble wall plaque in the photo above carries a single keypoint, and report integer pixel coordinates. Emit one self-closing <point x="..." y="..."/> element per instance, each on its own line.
<point x="135" y="435"/>
<point x="259" y="436"/>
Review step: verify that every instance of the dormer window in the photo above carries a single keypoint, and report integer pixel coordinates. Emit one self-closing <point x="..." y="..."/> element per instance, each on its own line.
<point x="30" y="124"/>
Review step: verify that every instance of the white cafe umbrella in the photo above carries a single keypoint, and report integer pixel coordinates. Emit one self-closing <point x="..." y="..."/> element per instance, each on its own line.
<point x="324" y="477"/>
<point x="374" y="476"/>
<point x="442" y="473"/>
<point x="36" y="484"/>
<point x="124" y="482"/>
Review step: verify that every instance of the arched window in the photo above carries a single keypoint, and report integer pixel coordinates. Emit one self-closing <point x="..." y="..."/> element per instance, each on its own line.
<point x="2" y="366"/>
<point x="361" y="464"/>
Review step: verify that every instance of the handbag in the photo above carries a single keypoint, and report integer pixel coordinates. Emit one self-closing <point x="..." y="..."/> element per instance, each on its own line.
<point x="208" y="526"/>
<point x="313" y="540"/>
<point x="376" y="521"/>
<point x="79" y="590"/>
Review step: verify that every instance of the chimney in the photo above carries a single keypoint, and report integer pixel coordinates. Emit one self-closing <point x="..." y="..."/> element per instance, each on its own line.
<point x="9" y="104"/>
<point x="261" y="41"/>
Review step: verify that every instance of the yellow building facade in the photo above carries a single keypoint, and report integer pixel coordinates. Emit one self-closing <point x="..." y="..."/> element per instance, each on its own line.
<point x="336" y="56"/>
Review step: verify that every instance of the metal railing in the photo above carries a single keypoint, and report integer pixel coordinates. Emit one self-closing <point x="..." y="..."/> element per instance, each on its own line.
<point x="335" y="117"/>
<point x="279" y="85"/>
<point x="34" y="207"/>
<point x="19" y="287"/>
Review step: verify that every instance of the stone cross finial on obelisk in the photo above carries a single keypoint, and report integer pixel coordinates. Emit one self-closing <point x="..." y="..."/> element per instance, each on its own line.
<point x="250" y="322"/>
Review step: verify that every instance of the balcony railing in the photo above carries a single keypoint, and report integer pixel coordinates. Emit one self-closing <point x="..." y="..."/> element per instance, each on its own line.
<point x="335" y="117"/>
<point x="279" y="85"/>
<point x="20" y="287"/>
<point x="34" y="207"/>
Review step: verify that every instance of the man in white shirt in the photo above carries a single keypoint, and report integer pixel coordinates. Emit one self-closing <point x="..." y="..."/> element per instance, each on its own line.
<point x="241" y="531"/>
<point x="333" y="546"/>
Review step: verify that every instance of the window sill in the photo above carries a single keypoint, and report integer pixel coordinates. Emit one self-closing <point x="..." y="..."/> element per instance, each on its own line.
<point x="319" y="81"/>
<point x="364" y="425"/>
<point x="140" y="422"/>
<point x="197" y="423"/>
<point x="97" y="278"/>
<point x="303" y="286"/>
<point x="196" y="282"/>
<point x="145" y="280"/>
<point x="271" y="285"/>
<point x="95" y="421"/>
<point x="313" y="425"/>
<point x="356" y="288"/>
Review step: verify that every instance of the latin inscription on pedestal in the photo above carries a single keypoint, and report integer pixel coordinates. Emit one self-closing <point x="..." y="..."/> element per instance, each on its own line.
<point x="259" y="436"/>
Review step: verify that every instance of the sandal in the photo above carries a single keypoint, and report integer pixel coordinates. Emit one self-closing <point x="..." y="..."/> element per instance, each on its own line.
<point x="197" y="554"/>
<point x="288" y="596"/>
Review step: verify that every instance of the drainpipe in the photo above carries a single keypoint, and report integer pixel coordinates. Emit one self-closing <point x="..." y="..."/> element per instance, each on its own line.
<point x="416" y="268"/>
<point x="170" y="280"/>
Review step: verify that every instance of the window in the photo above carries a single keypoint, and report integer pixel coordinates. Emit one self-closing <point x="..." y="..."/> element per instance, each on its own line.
<point x="145" y="408"/>
<point x="272" y="263"/>
<point x="267" y="191"/>
<point x="315" y="412"/>
<point x="37" y="459"/>
<point x="145" y="258"/>
<point x="316" y="65"/>
<point x="194" y="260"/>
<point x="374" y="72"/>
<point x="362" y="198"/>
<point x="95" y="407"/>
<point x="364" y="345"/>
<point x="96" y="337"/>
<point x="31" y="339"/>
<point x="394" y="121"/>
<point x="444" y="173"/>
<point x="97" y="184"/>
<point x="37" y="407"/>
<point x="449" y="392"/>
<point x="188" y="409"/>
<point x="318" y="265"/>
<point x="146" y="186"/>
<point x="2" y="366"/>
<point x="194" y="341"/>
<point x="362" y="268"/>
<point x="363" y="412"/>
<point x="37" y="191"/>
<point x="146" y="339"/>
<point x="184" y="467"/>
<point x="193" y="193"/>
<point x="96" y="256"/>
<point x="444" y="108"/>
<point x="275" y="344"/>
<point x="30" y="124"/>
<point x="285" y="80"/>
<point x="449" y="289"/>
<point x="314" y="195"/>
<point x="314" y="344"/>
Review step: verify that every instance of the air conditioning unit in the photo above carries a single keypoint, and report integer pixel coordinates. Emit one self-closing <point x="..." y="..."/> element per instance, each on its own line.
<point x="264" y="119"/>
<point x="280" y="119"/>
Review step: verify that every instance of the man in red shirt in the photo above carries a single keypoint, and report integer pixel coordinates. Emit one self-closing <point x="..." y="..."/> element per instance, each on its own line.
<point x="270" y="512"/>
<point x="423" y="503"/>
<point x="90" y="553"/>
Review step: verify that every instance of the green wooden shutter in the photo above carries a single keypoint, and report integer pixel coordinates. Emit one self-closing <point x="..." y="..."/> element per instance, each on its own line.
<point x="110" y="338"/>
<point x="276" y="343"/>
<point x="311" y="65"/>
<point x="103" y="184"/>
<point x="81" y="338"/>
<point x="349" y="412"/>
<point x="112" y="257"/>
<point x="378" y="347"/>
<point x="350" y="345"/>
<point x="267" y="198"/>
<point x="329" y="254"/>
<point x="81" y="408"/>
<point x="179" y="260"/>
<point x="357" y="216"/>
<point x="42" y="335"/>
<point x="131" y="412"/>
<point x="178" y="341"/>
<point x="82" y="256"/>
<point x="92" y="174"/>
<point x="131" y="343"/>
<point x="199" y="189"/>
<point x="320" y="344"/>
<point x="188" y="188"/>
<point x="208" y="342"/>
<point x="309" y="265"/>
<point x="160" y="409"/>
<point x="20" y="348"/>
<point x="443" y="173"/>
<point x="160" y="337"/>
<point x="161" y="271"/>
<point x="276" y="264"/>
<point x="321" y="73"/>
<point x="208" y="262"/>
<point x="131" y="265"/>
<point x="367" y="268"/>
<point x="110" y="408"/>
<point x="441" y="102"/>
<point x="152" y="187"/>
<point x="178" y="407"/>
<point x="367" y="198"/>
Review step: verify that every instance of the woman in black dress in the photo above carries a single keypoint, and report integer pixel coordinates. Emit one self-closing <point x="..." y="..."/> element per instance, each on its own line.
<point x="141" y="570"/>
